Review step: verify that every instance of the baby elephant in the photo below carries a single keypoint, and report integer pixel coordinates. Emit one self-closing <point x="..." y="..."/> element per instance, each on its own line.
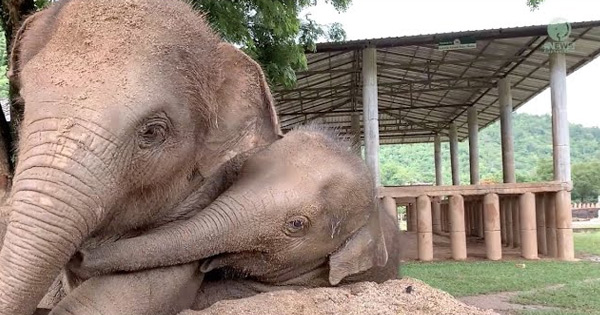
<point x="303" y="212"/>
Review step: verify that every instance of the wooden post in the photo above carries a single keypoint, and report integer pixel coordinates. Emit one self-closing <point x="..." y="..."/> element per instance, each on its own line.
<point x="436" y="213"/>
<point x="473" y="144"/>
<point x="491" y="214"/>
<point x="424" y="229"/>
<point x="515" y="221"/>
<point x="551" y="244"/>
<point x="506" y="131"/>
<point x="370" y="112"/>
<point x="458" y="240"/>
<point x="564" y="233"/>
<point x="541" y="224"/>
<point x="454" y="154"/>
<point x="529" y="248"/>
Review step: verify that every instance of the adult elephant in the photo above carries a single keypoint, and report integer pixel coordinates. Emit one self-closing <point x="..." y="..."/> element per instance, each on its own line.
<point x="130" y="106"/>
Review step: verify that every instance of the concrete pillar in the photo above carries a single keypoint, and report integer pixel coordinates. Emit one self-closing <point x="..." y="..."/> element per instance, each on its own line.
<point x="549" y="203"/>
<point x="540" y="213"/>
<point x="473" y="144"/>
<point x="506" y="130"/>
<point x="481" y="225"/>
<point x="437" y="155"/>
<point x="436" y="214"/>
<point x="561" y="154"/>
<point x="529" y="248"/>
<point x="413" y="217"/>
<point x="491" y="215"/>
<point x="389" y="205"/>
<point x="454" y="154"/>
<point x="370" y="112"/>
<point x="408" y="220"/>
<point x="356" y="139"/>
<point x="509" y="221"/>
<point x="458" y="240"/>
<point x="467" y="218"/>
<point x="516" y="222"/>
<point x="424" y="229"/>
<point x="503" y="222"/>
<point x="560" y="125"/>
<point x="445" y="217"/>
<point x="564" y="233"/>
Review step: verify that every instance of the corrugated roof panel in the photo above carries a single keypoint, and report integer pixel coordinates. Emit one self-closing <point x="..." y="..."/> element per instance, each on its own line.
<point x="422" y="89"/>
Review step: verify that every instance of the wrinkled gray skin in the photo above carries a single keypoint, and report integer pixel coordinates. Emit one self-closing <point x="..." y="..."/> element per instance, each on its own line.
<point x="127" y="292"/>
<point x="219" y="288"/>
<point x="130" y="107"/>
<point x="303" y="212"/>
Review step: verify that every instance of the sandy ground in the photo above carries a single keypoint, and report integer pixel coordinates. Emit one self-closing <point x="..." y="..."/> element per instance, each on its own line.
<point x="404" y="296"/>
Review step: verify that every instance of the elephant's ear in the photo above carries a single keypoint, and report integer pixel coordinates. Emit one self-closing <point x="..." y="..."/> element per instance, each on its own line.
<point x="245" y="112"/>
<point x="30" y="38"/>
<point x="364" y="250"/>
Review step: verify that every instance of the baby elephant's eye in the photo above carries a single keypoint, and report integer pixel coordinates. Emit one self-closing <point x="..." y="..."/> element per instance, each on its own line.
<point x="296" y="226"/>
<point x="153" y="132"/>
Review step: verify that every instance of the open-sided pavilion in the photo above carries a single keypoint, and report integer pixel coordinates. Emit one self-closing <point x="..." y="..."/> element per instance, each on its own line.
<point x="446" y="87"/>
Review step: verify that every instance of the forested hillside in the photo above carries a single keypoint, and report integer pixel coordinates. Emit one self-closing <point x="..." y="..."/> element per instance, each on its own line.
<point x="406" y="164"/>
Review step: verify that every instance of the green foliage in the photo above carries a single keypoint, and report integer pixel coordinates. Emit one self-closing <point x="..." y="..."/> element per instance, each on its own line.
<point x="3" y="68"/>
<point x="534" y="4"/>
<point x="413" y="163"/>
<point x="272" y="32"/>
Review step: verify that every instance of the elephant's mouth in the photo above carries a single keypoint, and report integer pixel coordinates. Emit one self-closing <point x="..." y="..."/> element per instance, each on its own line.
<point x="261" y="267"/>
<point x="244" y="263"/>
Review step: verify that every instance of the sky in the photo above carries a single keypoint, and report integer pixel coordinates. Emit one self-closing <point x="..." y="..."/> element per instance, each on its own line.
<point x="386" y="18"/>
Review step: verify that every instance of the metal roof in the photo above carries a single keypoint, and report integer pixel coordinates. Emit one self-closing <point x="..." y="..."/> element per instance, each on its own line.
<point x="422" y="89"/>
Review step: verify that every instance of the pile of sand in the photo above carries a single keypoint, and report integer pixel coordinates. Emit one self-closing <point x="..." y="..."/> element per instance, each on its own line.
<point x="404" y="296"/>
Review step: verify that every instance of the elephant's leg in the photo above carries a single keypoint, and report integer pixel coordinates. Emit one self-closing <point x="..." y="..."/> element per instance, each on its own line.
<point x="160" y="291"/>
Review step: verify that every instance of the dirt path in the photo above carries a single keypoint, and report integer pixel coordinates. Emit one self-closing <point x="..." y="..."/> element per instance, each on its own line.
<point x="500" y="303"/>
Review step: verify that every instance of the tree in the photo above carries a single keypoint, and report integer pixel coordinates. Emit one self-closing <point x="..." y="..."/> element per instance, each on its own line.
<point x="534" y="4"/>
<point x="272" y="32"/>
<point x="586" y="181"/>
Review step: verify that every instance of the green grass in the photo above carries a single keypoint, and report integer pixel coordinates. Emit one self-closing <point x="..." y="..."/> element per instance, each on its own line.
<point x="481" y="277"/>
<point x="557" y="312"/>
<point x="574" y="298"/>
<point x="587" y="242"/>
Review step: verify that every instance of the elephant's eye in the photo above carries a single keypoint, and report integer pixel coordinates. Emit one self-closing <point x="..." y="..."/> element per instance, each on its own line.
<point x="153" y="132"/>
<point x="296" y="226"/>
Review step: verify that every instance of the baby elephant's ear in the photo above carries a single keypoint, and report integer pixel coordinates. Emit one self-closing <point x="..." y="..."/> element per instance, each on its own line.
<point x="364" y="250"/>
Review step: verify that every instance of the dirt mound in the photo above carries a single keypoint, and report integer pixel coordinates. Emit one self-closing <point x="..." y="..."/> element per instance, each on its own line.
<point x="391" y="297"/>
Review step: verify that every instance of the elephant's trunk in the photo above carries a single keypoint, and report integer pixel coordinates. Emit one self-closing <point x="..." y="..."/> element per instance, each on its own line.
<point x="52" y="212"/>
<point x="230" y="224"/>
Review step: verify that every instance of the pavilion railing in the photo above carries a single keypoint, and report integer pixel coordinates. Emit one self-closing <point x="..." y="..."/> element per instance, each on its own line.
<point x="535" y="217"/>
